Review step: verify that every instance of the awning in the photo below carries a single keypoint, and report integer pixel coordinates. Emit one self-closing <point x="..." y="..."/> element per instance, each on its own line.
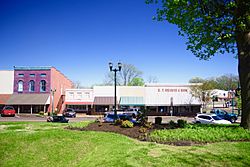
<point x="29" y="99"/>
<point x="104" y="100"/>
<point x="4" y="98"/>
<point x="78" y="103"/>
<point x="132" y="101"/>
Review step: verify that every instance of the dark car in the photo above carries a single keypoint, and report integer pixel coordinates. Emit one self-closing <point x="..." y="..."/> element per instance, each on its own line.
<point x="8" y="111"/>
<point x="60" y="119"/>
<point x="225" y="115"/>
<point x="69" y="112"/>
<point x="110" y="117"/>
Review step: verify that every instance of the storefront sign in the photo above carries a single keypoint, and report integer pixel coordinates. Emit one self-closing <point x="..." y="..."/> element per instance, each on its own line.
<point x="172" y="90"/>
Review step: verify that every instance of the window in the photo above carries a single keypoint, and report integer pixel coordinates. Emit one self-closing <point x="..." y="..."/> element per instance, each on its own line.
<point x="20" y="86"/>
<point x="71" y="95"/>
<point x="32" y="86"/>
<point x="79" y="95"/>
<point x="32" y="75"/>
<point x="43" y="75"/>
<point x="20" y="75"/>
<point x="43" y="86"/>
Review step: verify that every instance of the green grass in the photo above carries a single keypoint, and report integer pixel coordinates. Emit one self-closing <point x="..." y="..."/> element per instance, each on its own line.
<point x="49" y="144"/>
<point x="79" y="124"/>
<point x="202" y="133"/>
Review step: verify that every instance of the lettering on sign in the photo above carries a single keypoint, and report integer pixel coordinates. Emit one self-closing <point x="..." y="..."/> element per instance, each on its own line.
<point x="172" y="90"/>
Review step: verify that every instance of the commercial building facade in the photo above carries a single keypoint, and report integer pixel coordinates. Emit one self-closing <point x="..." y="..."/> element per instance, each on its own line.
<point x="6" y="86"/>
<point x="156" y="99"/>
<point x="37" y="89"/>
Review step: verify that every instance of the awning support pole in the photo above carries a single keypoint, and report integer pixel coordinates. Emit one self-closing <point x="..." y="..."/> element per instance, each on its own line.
<point x="31" y="109"/>
<point x="18" y="109"/>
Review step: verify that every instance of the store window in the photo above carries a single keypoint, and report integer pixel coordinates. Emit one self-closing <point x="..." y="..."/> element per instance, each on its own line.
<point x="20" y="86"/>
<point x="71" y="95"/>
<point x="20" y="75"/>
<point x="43" y="75"/>
<point x="32" y="86"/>
<point x="43" y="86"/>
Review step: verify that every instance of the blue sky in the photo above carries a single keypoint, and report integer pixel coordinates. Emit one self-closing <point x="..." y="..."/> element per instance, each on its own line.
<point x="80" y="37"/>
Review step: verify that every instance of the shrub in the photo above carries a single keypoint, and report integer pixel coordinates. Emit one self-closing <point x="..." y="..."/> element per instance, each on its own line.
<point x="182" y="123"/>
<point x="158" y="120"/>
<point x="127" y="124"/>
<point x="147" y="125"/>
<point x="118" y="122"/>
<point x="172" y="124"/>
<point x="143" y="130"/>
<point x="41" y="113"/>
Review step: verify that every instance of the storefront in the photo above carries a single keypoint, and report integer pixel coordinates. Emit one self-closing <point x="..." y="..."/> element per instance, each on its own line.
<point x="29" y="103"/>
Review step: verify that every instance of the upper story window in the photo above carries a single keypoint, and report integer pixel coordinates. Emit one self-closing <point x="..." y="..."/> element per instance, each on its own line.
<point x="43" y="75"/>
<point x="43" y="86"/>
<point x="71" y="95"/>
<point x="32" y="86"/>
<point x="20" y="75"/>
<point x="32" y="75"/>
<point x="79" y="95"/>
<point x="20" y="86"/>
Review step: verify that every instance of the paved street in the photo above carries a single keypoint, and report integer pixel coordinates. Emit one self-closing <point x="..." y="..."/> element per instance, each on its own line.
<point x="36" y="118"/>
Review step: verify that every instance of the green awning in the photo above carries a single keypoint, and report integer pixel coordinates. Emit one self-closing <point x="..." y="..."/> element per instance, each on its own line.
<point x="132" y="101"/>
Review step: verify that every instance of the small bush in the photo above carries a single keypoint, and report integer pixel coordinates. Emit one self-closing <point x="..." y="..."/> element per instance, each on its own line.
<point x="147" y="125"/>
<point x="158" y="120"/>
<point x="182" y="123"/>
<point x="143" y="130"/>
<point x="118" y="122"/>
<point x="41" y="113"/>
<point x="172" y="124"/>
<point x="127" y="124"/>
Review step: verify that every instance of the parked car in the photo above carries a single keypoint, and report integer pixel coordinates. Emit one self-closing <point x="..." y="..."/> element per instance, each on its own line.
<point x="210" y="119"/>
<point x="60" y="119"/>
<point x="8" y="111"/>
<point x="69" y="112"/>
<point x="225" y="115"/>
<point x="110" y="117"/>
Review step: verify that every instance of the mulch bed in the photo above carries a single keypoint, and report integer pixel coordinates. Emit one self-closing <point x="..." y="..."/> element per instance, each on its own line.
<point x="132" y="132"/>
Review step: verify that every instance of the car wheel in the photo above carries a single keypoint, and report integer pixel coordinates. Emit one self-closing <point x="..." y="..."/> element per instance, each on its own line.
<point x="233" y="120"/>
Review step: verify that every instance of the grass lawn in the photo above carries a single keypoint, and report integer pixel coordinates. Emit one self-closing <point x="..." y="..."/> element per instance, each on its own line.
<point x="49" y="144"/>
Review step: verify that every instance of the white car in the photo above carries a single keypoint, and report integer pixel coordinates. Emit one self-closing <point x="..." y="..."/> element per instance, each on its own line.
<point x="210" y="119"/>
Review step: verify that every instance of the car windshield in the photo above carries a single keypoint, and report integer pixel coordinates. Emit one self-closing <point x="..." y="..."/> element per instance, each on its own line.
<point x="110" y="116"/>
<point x="8" y="108"/>
<point x="216" y="118"/>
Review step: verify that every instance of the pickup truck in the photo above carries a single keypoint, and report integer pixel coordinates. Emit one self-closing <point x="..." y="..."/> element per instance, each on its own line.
<point x="225" y="115"/>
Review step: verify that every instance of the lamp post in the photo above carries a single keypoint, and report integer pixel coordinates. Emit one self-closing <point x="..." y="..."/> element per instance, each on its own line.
<point x="52" y="98"/>
<point x="115" y="70"/>
<point x="232" y="94"/>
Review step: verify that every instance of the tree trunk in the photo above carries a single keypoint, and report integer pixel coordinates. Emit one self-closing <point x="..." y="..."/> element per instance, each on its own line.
<point x="243" y="44"/>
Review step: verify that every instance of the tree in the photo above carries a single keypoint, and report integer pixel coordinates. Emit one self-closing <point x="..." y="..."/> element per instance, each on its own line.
<point x="136" y="82"/>
<point x="212" y="27"/>
<point x="227" y="82"/>
<point x="152" y="79"/>
<point x="196" y="80"/>
<point x="125" y="76"/>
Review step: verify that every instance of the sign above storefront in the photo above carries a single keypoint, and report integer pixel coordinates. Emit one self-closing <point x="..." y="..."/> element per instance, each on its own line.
<point x="172" y="90"/>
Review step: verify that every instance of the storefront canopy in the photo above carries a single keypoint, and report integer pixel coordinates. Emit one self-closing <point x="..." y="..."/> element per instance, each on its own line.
<point x="29" y="99"/>
<point x="132" y="101"/>
<point x="104" y="100"/>
<point x="78" y="103"/>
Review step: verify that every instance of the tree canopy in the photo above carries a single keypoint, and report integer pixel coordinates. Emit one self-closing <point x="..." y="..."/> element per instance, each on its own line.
<point x="214" y="27"/>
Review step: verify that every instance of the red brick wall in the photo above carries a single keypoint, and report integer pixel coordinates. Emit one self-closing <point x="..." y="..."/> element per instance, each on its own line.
<point x="60" y="83"/>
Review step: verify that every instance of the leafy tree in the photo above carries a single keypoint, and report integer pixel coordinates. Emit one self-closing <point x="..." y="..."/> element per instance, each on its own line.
<point x="196" y="80"/>
<point x="212" y="27"/>
<point x="125" y="76"/>
<point x="227" y="82"/>
<point x="136" y="82"/>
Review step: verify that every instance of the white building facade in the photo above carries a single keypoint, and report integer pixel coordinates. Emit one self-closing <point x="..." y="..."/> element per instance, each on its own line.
<point x="156" y="99"/>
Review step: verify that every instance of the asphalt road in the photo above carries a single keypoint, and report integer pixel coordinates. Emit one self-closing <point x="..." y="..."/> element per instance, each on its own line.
<point x="35" y="118"/>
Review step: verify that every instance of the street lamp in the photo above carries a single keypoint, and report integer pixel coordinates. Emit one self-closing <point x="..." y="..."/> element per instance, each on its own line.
<point x="52" y="98"/>
<point x="115" y="70"/>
